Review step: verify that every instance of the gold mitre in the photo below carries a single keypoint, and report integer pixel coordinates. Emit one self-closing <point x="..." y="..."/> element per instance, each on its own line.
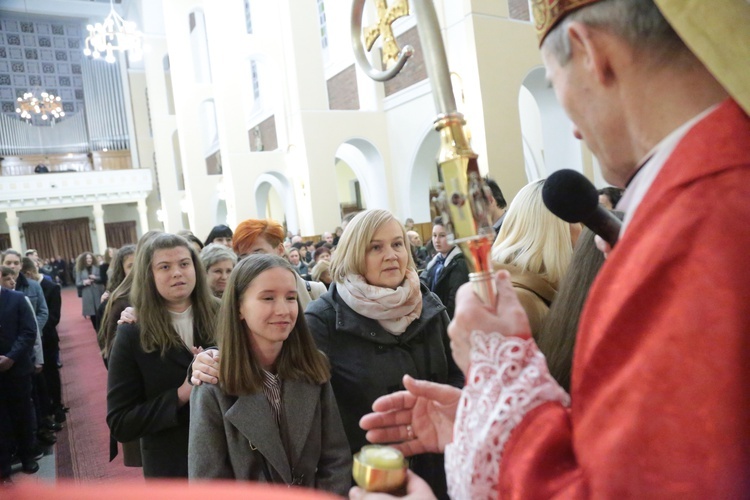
<point x="547" y="13"/>
<point x="716" y="31"/>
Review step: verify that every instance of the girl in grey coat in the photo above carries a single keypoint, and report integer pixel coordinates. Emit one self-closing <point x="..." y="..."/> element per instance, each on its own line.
<point x="274" y="417"/>
<point x="89" y="281"/>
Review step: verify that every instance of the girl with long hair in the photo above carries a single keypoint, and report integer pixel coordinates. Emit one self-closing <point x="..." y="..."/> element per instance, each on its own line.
<point x="148" y="393"/>
<point x="273" y="418"/>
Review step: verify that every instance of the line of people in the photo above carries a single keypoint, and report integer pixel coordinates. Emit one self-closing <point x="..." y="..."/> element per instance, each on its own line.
<point x="31" y="407"/>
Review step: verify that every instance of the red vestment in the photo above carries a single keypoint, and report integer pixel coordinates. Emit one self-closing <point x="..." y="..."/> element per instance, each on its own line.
<point x="660" y="396"/>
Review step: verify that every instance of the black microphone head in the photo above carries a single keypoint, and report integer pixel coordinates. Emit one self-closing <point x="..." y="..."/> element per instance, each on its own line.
<point x="570" y="196"/>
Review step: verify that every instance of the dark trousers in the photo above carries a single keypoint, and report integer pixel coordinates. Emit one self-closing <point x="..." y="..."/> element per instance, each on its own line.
<point x="16" y="420"/>
<point x="40" y="395"/>
<point x="52" y="373"/>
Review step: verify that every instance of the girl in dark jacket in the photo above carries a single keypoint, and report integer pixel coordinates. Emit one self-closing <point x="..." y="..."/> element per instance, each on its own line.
<point x="448" y="270"/>
<point x="147" y="393"/>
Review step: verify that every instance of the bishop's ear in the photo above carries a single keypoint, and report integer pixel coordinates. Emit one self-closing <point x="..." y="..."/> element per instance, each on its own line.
<point x="595" y="48"/>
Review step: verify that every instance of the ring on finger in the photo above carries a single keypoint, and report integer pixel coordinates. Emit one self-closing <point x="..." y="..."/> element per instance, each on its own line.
<point x="409" y="432"/>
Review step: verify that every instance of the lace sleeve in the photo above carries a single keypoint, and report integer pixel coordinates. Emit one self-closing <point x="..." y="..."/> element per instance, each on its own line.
<point x="507" y="379"/>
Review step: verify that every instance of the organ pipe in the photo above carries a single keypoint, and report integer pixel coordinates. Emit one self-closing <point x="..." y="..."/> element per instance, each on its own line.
<point x="102" y="124"/>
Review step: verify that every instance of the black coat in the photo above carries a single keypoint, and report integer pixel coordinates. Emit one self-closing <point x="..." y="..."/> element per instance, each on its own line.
<point x="52" y="295"/>
<point x="454" y="274"/>
<point x="18" y="332"/>
<point x="368" y="362"/>
<point x="142" y="402"/>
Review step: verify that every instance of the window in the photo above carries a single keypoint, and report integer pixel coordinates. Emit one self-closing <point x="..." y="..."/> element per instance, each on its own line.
<point x="248" y="18"/>
<point x="323" y="26"/>
<point x="256" y="80"/>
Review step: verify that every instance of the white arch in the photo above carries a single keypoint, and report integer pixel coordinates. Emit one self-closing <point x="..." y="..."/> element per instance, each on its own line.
<point x="422" y="175"/>
<point x="367" y="164"/>
<point x="281" y="184"/>
<point x="558" y="148"/>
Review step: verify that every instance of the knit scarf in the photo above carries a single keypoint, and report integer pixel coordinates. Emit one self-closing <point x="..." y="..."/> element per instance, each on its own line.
<point x="393" y="309"/>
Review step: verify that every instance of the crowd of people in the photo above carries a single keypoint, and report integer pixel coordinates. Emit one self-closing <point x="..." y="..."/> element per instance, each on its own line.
<point x="258" y="355"/>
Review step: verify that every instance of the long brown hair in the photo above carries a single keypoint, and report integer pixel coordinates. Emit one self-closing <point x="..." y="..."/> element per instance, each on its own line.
<point x="81" y="262"/>
<point x="117" y="269"/>
<point x="107" y="328"/>
<point x="240" y="372"/>
<point x="154" y="320"/>
<point x="557" y="335"/>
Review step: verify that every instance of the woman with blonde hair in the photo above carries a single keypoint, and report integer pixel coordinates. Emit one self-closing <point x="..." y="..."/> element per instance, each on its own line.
<point x="218" y="260"/>
<point x="274" y="417"/>
<point x="147" y="394"/>
<point x="535" y="246"/>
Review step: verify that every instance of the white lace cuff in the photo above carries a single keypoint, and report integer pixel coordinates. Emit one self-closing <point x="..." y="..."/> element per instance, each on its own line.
<point x="508" y="378"/>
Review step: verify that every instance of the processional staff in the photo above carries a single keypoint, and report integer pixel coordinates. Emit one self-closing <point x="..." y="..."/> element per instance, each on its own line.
<point x="464" y="199"/>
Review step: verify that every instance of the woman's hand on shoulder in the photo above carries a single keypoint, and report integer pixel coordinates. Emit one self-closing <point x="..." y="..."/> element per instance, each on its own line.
<point x="206" y="367"/>
<point x="128" y="316"/>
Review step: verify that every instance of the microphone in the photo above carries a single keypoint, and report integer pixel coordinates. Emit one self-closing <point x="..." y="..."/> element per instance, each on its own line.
<point x="571" y="196"/>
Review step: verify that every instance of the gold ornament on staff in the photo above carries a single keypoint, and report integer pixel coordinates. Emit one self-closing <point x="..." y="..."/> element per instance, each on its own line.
<point x="464" y="199"/>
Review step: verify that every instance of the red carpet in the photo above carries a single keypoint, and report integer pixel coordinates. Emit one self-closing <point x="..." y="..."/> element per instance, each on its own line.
<point x="82" y="449"/>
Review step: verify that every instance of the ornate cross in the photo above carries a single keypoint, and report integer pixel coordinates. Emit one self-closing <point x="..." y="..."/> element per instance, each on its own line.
<point x="386" y="17"/>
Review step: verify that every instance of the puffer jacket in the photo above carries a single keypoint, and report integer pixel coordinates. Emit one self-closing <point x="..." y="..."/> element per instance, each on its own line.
<point x="368" y="362"/>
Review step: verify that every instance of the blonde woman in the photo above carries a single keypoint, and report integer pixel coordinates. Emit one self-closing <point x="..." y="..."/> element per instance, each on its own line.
<point x="218" y="260"/>
<point x="535" y="246"/>
<point x="147" y="393"/>
<point x="274" y="417"/>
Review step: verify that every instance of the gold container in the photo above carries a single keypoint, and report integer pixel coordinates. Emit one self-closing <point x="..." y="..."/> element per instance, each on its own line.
<point x="381" y="478"/>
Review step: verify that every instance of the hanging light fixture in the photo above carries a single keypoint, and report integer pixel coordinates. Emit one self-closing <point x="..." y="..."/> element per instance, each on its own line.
<point x="46" y="107"/>
<point x="114" y="34"/>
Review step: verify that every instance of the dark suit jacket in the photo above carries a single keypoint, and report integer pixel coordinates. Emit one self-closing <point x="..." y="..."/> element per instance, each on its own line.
<point x="54" y="304"/>
<point x="17" y="332"/>
<point x="237" y="438"/>
<point x="142" y="402"/>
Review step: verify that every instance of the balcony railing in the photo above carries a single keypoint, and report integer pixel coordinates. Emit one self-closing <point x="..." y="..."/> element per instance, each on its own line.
<point x="60" y="190"/>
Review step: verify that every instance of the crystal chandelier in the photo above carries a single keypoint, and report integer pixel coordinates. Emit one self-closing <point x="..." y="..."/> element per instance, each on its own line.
<point x="49" y="107"/>
<point x="114" y="34"/>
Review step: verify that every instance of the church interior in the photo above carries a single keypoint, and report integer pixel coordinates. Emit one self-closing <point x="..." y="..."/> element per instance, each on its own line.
<point x="223" y="111"/>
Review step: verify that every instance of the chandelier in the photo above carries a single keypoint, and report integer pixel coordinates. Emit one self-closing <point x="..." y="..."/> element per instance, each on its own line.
<point x="48" y="107"/>
<point x="114" y="34"/>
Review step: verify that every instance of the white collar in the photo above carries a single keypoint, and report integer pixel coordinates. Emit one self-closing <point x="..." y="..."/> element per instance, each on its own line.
<point x="652" y="165"/>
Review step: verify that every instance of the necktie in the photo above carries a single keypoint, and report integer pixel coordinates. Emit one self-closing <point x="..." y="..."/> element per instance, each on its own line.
<point x="439" y="265"/>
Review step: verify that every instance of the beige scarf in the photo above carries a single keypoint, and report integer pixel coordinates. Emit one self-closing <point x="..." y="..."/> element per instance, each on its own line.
<point x="393" y="309"/>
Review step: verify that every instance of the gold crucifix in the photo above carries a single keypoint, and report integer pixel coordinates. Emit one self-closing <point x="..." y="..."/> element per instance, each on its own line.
<point x="386" y="17"/>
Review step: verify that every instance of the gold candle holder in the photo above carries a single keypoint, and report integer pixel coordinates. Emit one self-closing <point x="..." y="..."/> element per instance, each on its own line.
<point x="379" y="468"/>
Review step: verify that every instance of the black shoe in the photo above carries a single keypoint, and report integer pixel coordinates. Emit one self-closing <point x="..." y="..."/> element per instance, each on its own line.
<point x="50" y="424"/>
<point x="46" y="437"/>
<point x="60" y="415"/>
<point x="29" y="466"/>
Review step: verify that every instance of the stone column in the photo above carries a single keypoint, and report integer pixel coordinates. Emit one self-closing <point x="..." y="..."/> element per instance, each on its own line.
<point x="143" y="216"/>
<point x="101" y="234"/>
<point x="15" y="234"/>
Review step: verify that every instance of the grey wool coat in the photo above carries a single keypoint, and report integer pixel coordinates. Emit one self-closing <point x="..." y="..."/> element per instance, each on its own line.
<point x="92" y="294"/>
<point x="237" y="438"/>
